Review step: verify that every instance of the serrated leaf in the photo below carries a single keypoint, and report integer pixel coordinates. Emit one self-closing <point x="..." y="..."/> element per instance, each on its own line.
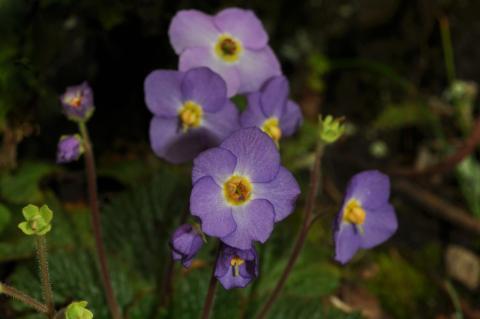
<point x="22" y="186"/>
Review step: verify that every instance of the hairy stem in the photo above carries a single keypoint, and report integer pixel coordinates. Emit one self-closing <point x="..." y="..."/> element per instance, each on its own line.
<point x="42" y="255"/>
<point x="212" y="287"/>
<point x="26" y="299"/>
<point x="315" y="177"/>
<point x="96" y="224"/>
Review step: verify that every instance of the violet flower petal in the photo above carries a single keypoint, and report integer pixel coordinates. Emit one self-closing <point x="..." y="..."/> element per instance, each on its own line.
<point x="291" y="118"/>
<point x="208" y="204"/>
<point x="203" y="57"/>
<point x="192" y="28"/>
<point x="162" y="92"/>
<point x="257" y="155"/>
<point x="244" y="25"/>
<point x="347" y="243"/>
<point x="204" y="87"/>
<point x="170" y="143"/>
<point x="224" y="122"/>
<point x="255" y="67"/>
<point x="254" y="222"/>
<point x="371" y="188"/>
<point x="281" y="192"/>
<point x="274" y="96"/>
<point x="218" y="163"/>
<point x="380" y="224"/>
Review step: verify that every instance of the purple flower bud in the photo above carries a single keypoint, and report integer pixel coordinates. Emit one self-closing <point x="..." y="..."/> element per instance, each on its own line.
<point x="236" y="268"/>
<point x="69" y="148"/>
<point x="186" y="241"/>
<point x="77" y="102"/>
<point x="366" y="219"/>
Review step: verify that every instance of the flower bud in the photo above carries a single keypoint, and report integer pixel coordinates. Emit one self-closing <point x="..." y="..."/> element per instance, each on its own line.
<point x="78" y="310"/>
<point x="186" y="241"/>
<point x="77" y="102"/>
<point x="37" y="220"/>
<point x="69" y="149"/>
<point x="331" y="129"/>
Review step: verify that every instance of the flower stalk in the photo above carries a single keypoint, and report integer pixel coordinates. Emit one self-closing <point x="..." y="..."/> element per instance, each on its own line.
<point x="47" y="292"/>
<point x="22" y="297"/>
<point x="315" y="178"/>
<point x="212" y="287"/>
<point x="96" y="223"/>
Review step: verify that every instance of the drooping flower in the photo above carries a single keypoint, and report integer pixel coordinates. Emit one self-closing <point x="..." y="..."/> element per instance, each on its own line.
<point x="272" y="111"/>
<point x="37" y="220"/>
<point x="366" y="218"/>
<point x="77" y="102"/>
<point x="185" y="242"/>
<point x="233" y="43"/>
<point x="240" y="189"/>
<point x="236" y="268"/>
<point x="78" y="310"/>
<point x="191" y="112"/>
<point x="69" y="149"/>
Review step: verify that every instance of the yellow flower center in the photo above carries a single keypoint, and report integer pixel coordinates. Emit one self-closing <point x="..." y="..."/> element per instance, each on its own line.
<point x="74" y="101"/>
<point x="228" y="48"/>
<point x="237" y="190"/>
<point x="236" y="262"/>
<point x="354" y="213"/>
<point x="272" y="128"/>
<point x="190" y="115"/>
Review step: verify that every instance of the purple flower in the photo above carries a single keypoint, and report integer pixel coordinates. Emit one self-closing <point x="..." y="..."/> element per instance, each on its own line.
<point x="233" y="43"/>
<point x="235" y="267"/>
<point x="366" y="218"/>
<point x="186" y="241"/>
<point x="69" y="148"/>
<point x="191" y="112"/>
<point x="77" y="102"/>
<point x="272" y="111"/>
<point x="240" y="189"/>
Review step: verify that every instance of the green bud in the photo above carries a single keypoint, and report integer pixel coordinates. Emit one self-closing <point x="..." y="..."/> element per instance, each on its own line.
<point x="78" y="310"/>
<point x="331" y="129"/>
<point x="37" y="220"/>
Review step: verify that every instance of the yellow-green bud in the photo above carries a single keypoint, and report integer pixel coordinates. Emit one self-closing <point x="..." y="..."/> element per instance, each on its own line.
<point x="37" y="220"/>
<point x="78" y="310"/>
<point x="331" y="129"/>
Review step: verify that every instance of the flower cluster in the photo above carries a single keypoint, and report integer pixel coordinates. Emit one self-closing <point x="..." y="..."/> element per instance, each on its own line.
<point x="240" y="189"/>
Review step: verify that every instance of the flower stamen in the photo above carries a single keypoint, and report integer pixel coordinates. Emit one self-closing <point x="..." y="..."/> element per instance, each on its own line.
<point x="354" y="213"/>
<point x="190" y="115"/>
<point x="236" y="262"/>
<point x="228" y="48"/>
<point x="237" y="190"/>
<point x="271" y="126"/>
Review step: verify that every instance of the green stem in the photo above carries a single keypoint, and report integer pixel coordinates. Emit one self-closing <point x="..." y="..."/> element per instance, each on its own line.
<point x="447" y="49"/>
<point x="315" y="178"/>
<point x="42" y="255"/>
<point x="96" y="223"/>
<point x="26" y="299"/>
<point x="212" y="287"/>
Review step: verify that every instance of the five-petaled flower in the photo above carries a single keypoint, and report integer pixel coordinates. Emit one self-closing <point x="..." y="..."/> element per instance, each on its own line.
<point x="191" y="112"/>
<point x="233" y="43"/>
<point x="77" y="102"/>
<point x="69" y="149"/>
<point x="185" y="243"/>
<point x="272" y="111"/>
<point x="366" y="218"/>
<point x="236" y="268"/>
<point x="240" y="189"/>
<point x="78" y="310"/>
<point x="37" y="220"/>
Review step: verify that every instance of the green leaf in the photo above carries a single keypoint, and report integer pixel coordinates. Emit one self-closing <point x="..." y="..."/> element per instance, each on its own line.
<point x="22" y="186"/>
<point x="396" y="116"/>
<point x="5" y="217"/>
<point x="468" y="174"/>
